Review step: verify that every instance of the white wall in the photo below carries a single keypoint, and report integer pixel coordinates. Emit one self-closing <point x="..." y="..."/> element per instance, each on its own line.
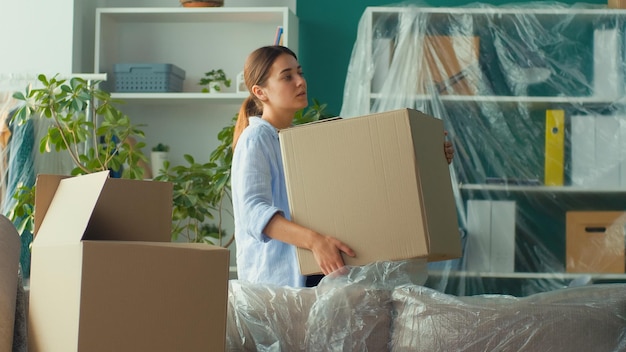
<point x="32" y="44"/>
<point x="37" y="36"/>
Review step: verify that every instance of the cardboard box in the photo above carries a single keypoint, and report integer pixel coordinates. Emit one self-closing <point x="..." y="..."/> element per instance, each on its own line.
<point x="380" y="183"/>
<point x="105" y="276"/>
<point x="617" y="4"/>
<point x="451" y="65"/>
<point x="595" y="241"/>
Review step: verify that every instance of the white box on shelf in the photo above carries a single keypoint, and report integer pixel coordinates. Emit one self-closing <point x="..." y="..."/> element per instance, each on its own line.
<point x="622" y="150"/>
<point x="241" y="83"/>
<point x="598" y="143"/>
<point x="478" y="235"/>
<point x="607" y="63"/>
<point x="381" y="57"/>
<point x="607" y="152"/>
<point x="491" y="236"/>
<point x="582" y="149"/>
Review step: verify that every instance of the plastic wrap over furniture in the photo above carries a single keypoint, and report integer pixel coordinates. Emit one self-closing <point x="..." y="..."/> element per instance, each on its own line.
<point x="379" y="307"/>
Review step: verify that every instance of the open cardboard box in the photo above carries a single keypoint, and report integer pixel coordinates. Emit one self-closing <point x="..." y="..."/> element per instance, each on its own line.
<point x="105" y="276"/>
<point x="380" y="183"/>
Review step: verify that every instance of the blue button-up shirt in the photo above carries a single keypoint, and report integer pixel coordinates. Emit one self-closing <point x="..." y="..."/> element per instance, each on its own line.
<point x="259" y="192"/>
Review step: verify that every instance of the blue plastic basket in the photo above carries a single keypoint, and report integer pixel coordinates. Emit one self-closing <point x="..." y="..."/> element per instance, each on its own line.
<point x="148" y="77"/>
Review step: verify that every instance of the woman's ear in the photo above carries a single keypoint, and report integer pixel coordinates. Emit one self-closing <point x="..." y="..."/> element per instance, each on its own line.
<point x="259" y="92"/>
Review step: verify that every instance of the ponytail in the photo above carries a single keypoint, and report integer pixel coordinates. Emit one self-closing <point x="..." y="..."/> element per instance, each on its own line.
<point x="248" y="108"/>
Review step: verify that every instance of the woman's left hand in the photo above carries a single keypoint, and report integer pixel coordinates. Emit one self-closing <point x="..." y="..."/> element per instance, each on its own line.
<point x="448" y="149"/>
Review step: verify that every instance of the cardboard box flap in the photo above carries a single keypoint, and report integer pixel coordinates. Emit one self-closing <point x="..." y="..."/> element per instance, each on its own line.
<point x="70" y="209"/>
<point x="96" y="207"/>
<point x="132" y="210"/>
<point x="44" y="192"/>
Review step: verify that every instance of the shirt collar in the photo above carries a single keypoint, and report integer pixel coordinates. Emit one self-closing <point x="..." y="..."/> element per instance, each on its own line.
<point x="258" y="121"/>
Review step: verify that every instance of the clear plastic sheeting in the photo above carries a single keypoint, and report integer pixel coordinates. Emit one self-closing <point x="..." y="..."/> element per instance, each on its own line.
<point x="532" y="97"/>
<point x="348" y="311"/>
<point x="374" y="308"/>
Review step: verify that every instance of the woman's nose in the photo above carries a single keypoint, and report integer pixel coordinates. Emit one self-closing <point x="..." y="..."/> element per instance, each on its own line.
<point x="301" y="81"/>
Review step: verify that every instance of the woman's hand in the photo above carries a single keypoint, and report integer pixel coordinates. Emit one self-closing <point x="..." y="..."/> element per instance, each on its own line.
<point x="448" y="149"/>
<point x="327" y="252"/>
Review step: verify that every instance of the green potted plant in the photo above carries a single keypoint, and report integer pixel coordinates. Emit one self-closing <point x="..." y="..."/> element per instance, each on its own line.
<point x="213" y="234"/>
<point x="85" y="123"/>
<point x="195" y="200"/>
<point x="158" y="157"/>
<point x="214" y="81"/>
<point x="84" y="116"/>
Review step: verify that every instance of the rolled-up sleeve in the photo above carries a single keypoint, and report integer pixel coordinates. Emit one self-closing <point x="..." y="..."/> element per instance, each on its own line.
<point x="258" y="193"/>
<point x="252" y="186"/>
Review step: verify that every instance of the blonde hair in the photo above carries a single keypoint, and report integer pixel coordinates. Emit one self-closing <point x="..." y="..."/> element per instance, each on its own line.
<point x="255" y="72"/>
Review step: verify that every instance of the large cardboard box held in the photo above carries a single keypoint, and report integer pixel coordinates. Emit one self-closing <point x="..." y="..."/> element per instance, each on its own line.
<point x="380" y="183"/>
<point x="105" y="276"/>
<point x="595" y="241"/>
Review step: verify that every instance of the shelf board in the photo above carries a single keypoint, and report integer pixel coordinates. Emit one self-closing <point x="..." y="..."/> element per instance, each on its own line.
<point x="501" y="10"/>
<point x="526" y="275"/>
<point x="515" y="99"/>
<point x="191" y="15"/>
<point x="179" y="98"/>
<point x="538" y="189"/>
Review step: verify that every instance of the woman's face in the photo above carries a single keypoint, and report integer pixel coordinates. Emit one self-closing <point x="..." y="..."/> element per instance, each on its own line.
<point x="284" y="92"/>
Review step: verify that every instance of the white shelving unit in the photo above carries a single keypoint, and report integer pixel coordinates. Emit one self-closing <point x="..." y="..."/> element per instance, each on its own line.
<point x="495" y="14"/>
<point x="197" y="40"/>
<point x="515" y="99"/>
<point x="403" y="27"/>
<point x="539" y="189"/>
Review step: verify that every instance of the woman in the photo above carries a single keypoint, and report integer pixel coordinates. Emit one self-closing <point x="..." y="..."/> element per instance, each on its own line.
<point x="266" y="237"/>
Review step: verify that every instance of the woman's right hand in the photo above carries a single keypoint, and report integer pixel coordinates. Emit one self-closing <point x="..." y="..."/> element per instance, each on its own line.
<point x="326" y="249"/>
<point x="327" y="252"/>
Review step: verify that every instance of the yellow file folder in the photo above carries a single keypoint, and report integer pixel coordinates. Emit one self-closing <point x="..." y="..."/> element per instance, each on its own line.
<point x="554" y="155"/>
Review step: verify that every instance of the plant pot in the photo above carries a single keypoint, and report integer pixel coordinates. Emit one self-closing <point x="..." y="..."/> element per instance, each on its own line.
<point x="241" y="84"/>
<point x="156" y="161"/>
<point x="197" y="3"/>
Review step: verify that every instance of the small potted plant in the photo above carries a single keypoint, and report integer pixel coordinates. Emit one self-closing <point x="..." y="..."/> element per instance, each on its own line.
<point x="214" y="81"/>
<point x="158" y="157"/>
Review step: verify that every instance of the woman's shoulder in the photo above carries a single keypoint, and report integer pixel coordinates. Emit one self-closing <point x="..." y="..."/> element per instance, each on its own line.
<point x="258" y="131"/>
